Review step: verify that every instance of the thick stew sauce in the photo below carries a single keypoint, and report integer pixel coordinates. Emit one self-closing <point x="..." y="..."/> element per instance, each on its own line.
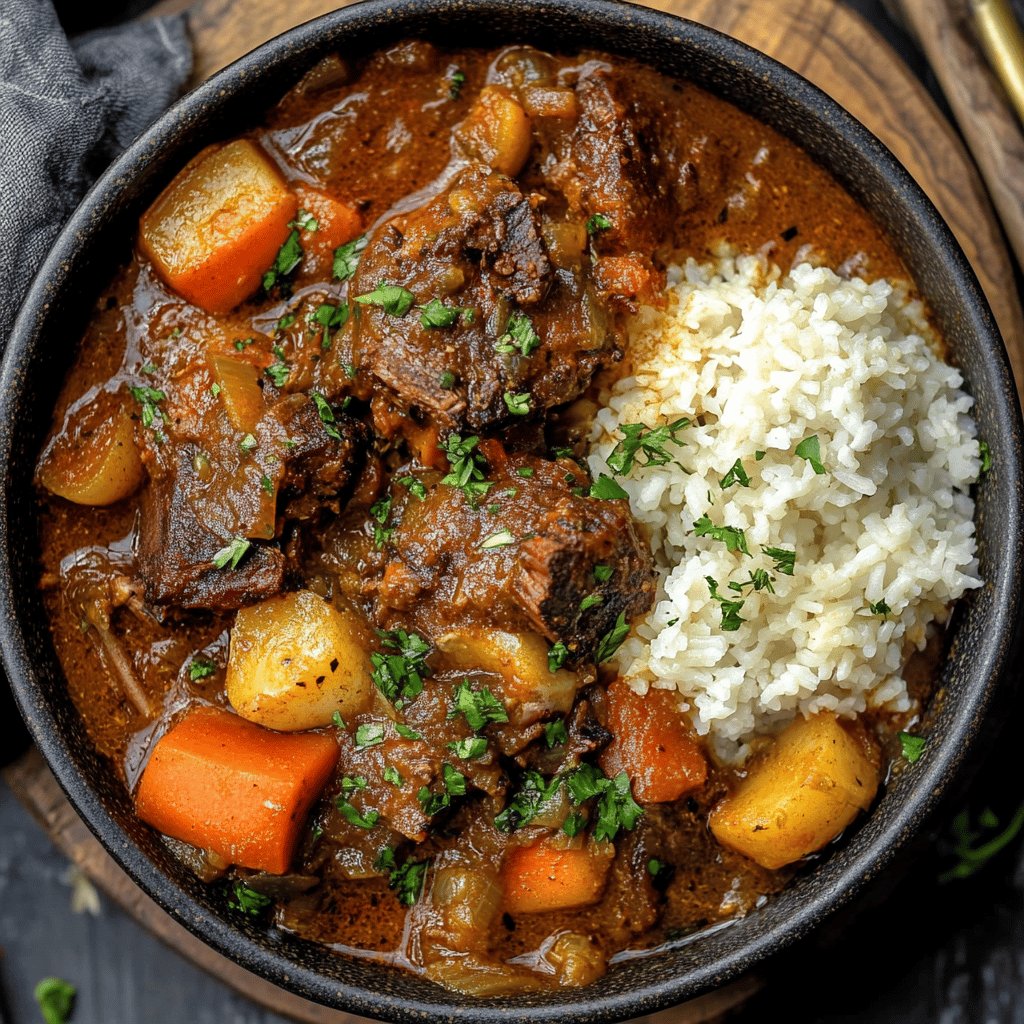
<point x="333" y="587"/>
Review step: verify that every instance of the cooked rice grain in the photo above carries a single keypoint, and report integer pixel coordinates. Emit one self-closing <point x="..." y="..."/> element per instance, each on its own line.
<point x="761" y="361"/>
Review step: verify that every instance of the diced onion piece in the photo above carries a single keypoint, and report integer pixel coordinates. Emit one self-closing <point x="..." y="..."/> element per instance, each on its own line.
<point x="294" y="660"/>
<point x="550" y="101"/>
<point x="472" y="976"/>
<point x="576" y="959"/>
<point x="811" y="784"/>
<point x="552" y="876"/>
<point x="95" y="461"/>
<point x="469" y="901"/>
<point x="497" y="131"/>
<point x="240" y="392"/>
<point x="217" y="227"/>
<point x="531" y="690"/>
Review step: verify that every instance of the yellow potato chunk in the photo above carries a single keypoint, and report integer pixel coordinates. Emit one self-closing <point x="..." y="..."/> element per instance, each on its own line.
<point x="294" y="660"/>
<point x="808" y="787"/>
<point x="497" y="131"/>
<point x="95" y="460"/>
<point x="217" y="227"/>
<point x="531" y="690"/>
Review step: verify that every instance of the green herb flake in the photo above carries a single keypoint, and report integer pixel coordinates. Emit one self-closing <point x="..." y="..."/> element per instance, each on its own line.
<point x="603" y="573"/>
<point x="731" y="620"/>
<point x="338" y="720"/>
<point x="231" y="554"/>
<point x="215" y="389"/>
<point x="525" y="472"/>
<point x="759" y="455"/>
<point x="392" y="298"/>
<point x="591" y="601"/>
<point x="555" y="733"/>
<point x="288" y="257"/>
<point x="612" y="640"/>
<point x="644" y="443"/>
<point x="469" y="749"/>
<point x="407" y="880"/>
<point x="248" y="901"/>
<point x="360" y="819"/>
<point x="784" y="559"/>
<point x="597" y="222"/>
<point x="456" y="80"/>
<point x="732" y="537"/>
<point x="478" y="707"/>
<point x="414" y="486"/>
<point x="407" y="732"/>
<point x="326" y="413"/>
<point x="330" y="318"/>
<point x="558" y="655"/>
<point x="911" y="746"/>
<point x="518" y="404"/>
<point x="655" y="867"/>
<point x="880" y="608"/>
<point x="248" y="443"/>
<point x="985" y="454"/>
<point x="446" y="381"/>
<point x="435" y="315"/>
<point x="616" y="808"/>
<point x="466" y="467"/>
<point x="398" y="673"/>
<point x="736" y="475"/>
<point x="574" y="824"/>
<point x="346" y="258"/>
<point x="305" y="221"/>
<point x="267" y="485"/>
<point x="369" y="734"/>
<point x="524" y="805"/>
<point x="810" y="450"/>
<point x="285" y="322"/>
<point x="56" y="1000"/>
<point x="501" y="539"/>
<point x="519" y="335"/>
<point x="607" y="488"/>
<point x="149" y="398"/>
<point x="201" y="667"/>
<point x="393" y="775"/>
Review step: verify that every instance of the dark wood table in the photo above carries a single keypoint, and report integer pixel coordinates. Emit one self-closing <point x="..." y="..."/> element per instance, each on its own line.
<point x="925" y="953"/>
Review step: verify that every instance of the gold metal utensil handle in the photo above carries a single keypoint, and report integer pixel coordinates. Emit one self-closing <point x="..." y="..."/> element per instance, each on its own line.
<point x="1003" y="42"/>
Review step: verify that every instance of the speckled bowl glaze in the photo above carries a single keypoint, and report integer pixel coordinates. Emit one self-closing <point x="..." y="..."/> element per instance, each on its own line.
<point x="100" y="235"/>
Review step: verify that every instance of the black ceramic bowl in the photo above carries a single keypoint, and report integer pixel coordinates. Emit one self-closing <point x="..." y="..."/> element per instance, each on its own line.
<point x="99" y="236"/>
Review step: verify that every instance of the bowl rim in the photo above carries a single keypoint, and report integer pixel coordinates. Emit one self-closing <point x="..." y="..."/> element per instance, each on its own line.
<point x="387" y="1003"/>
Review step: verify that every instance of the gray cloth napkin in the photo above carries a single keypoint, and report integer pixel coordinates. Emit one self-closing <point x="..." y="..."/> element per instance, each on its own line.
<point x="67" y="108"/>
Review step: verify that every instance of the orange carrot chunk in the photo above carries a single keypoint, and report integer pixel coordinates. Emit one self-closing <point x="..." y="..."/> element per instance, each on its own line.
<point x="223" y="784"/>
<point x="651" y="745"/>
<point x="217" y="227"/>
<point x="548" y="877"/>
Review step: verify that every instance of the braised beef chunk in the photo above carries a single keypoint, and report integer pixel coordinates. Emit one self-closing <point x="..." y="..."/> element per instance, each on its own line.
<point x="535" y="550"/>
<point x="318" y="466"/>
<point x="178" y="543"/>
<point x="512" y="324"/>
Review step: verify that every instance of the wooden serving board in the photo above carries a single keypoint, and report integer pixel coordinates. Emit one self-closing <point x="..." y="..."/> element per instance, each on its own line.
<point x="824" y="41"/>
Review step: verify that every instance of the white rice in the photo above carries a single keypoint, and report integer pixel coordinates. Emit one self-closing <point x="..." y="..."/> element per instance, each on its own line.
<point x="761" y="361"/>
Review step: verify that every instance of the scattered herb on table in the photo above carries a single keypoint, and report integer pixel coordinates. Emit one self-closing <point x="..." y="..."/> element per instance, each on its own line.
<point x="56" y="1000"/>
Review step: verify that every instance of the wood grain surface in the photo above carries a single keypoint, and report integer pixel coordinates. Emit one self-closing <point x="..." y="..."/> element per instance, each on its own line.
<point x="824" y="41"/>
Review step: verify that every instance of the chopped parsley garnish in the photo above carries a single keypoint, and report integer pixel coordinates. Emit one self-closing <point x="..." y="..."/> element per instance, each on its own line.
<point x="278" y="372"/>
<point x="56" y="1000"/>
<point x="759" y="455"/>
<point x="247" y="900"/>
<point x="606" y="487"/>
<point x="879" y="608"/>
<point x="519" y="335"/>
<point x="399" y="673"/>
<point x="736" y="475"/>
<point x="522" y="808"/>
<point x="367" y="819"/>
<point x="407" y="732"/>
<point x="392" y="298"/>
<point x="305" y="221"/>
<point x="330" y="318"/>
<point x="346" y="258"/>
<point x="655" y="867"/>
<point x="644" y="442"/>
<point x="407" y="880"/>
<point x="149" y="398"/>
<point x="338" y="720"/>
<point x="201" y="667"/>
<point x="380" y="510"/>
<point x="972" y="855"/>
<point x="454" y="783"/>
<point x="612" y="640"/>
<point x="616" y="808"/>
<point x="501" y="539"/>
<point x="558" y="655"/>
<point x="597" y="222"/>
<point x="784" y="559"/>
<point x="470" y="748"/>
<point x="231" y="554"/>
<point x="446" y="381"/>
<point x="392" y="774"/>
<point x="525" y="472"/>
<point x="731" y="620"/>
<point x="414" y="486"/>
<point x="248" y="443"/>
<point x="285" y="322"/>
<point x="215" y="389"/>
<point x="241" y="344"/>
<point x="518" y="404"/>
<point x="810" y="450"/>
<point x="478" y="707"/>
<point x="149" y="368"/>
<point x="759" y="580"/>
<point x="455" y="83"/>
<point x="984" y="453"/>
<point x="288" y="257"/>
<point x="437" y="315"/>
<point x="555" y="733"/>
<point x="732" y="537"/>
<point x="574" y="824"/>
<point x="603" y="573"/>
<point x="911" y="746"/>
<point x="323" y="407"/>
<point x="267" y="485"/>
<point x="369" y="734"/>
<point x="467" y="466"/>
<point x="591" y="601"/>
